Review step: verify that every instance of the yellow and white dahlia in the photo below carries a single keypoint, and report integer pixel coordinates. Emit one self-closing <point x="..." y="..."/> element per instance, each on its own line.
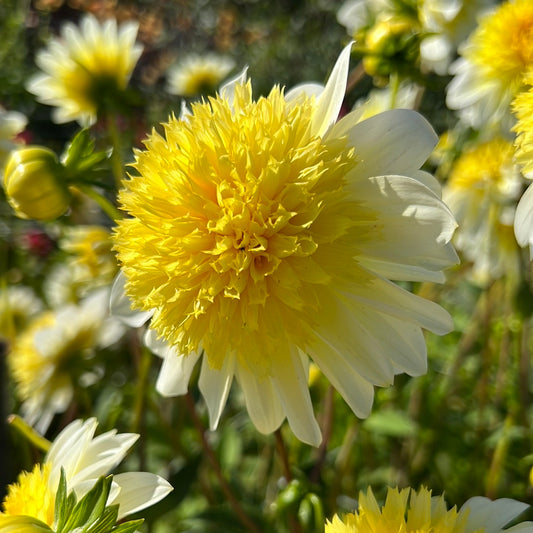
<point x="53" y="356"/>
<point x="87" y="69"/>
<point x="447" y="24"/>
<point x="262" y="233"/>
<point x="83" y="458"/>
<point x="197" y="74"/>
<point x="410" y="511"/>
<point x="482" y="190"/>
<point x="495" y="59"/>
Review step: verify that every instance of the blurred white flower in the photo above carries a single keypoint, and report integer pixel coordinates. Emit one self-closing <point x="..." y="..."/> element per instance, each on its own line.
<point x="198" y="74"/>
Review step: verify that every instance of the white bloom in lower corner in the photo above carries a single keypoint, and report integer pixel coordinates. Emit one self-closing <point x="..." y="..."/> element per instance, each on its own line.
<point x="84" y="458"/>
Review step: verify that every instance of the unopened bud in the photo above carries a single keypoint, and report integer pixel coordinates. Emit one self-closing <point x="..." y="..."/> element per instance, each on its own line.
<point x="34" y="184"/>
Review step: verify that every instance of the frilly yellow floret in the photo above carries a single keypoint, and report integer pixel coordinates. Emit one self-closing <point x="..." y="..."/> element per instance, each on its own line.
<point x="239" y="213"/>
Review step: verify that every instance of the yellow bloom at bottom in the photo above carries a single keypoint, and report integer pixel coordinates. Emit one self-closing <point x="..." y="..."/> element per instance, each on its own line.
<point x="410" y="511"/>
<point x="404" y="511"/>
<point x="31" y="496"/>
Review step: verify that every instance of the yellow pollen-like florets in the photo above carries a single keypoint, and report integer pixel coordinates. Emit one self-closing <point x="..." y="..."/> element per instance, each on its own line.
<point x="503" y="43"/>
<point x="237" y="217"/>
<point x="31" y="496"/>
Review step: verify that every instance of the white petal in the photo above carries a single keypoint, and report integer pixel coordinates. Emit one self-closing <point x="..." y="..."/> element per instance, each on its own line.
<point x="523" y="221"/>
<point x="397" y="141"/>
<point x="491" y="516"/>
<point x="120" y="305"/>
<point x="215" y="386"/>
<point x="356" y="391"/>
<point x="330" y="100"/>
<point x="262" y="402"/>
<point x="415" y="229"/>
<point x="291" y="383"/>
<point x="175" y="373"/>
<point x="101" y="456"/>
<point x="353" y="15"/>
<point x="139" y="490"/>
<point x="302" y="90"/>
<point x="227" y="90"/>
<point x="386" y="297"/>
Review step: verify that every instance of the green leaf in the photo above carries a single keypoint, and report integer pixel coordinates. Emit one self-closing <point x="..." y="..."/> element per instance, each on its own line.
<point x="390" y="423"/>
<point x="128" y="527"/>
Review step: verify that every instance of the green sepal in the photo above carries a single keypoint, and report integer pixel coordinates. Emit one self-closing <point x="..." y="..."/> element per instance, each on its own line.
<point x="129" y="527"/>
<point x="64" y="504"/>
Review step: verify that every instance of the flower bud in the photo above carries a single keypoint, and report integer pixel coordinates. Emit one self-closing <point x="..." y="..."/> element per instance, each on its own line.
<point x="391" y="45"/>
<point x="34" y="184"/>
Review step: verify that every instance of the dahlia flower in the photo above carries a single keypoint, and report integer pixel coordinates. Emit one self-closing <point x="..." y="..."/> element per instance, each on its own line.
<point x="262" y="233"/>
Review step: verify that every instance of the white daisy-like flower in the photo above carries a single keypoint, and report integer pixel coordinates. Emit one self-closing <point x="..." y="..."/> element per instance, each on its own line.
<point x="448" y="23"/>
<point x="53" y="355"/>
<point x="493" y="63"/>
<point x="84" y="458"/>
<point x="411" y="511"/>
<point x="482" y="190"/>
<point x="18" y="306"/>
<point x="264" y="233"/>
<point x="11" y="124"/>
<point x="198" y="74"/>
<point x="86" y="69"/>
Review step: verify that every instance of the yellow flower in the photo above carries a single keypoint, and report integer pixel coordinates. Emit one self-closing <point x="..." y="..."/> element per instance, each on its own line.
<point x="198" y="74"/>
<point x="410" y="511"/>
<point x="87" y="69"/>
<point x="261" y="233"/>
<point x="34" y="184"/>
<point x="482" y="191"/>
<point x="52" y="356"/>
<point x="83" y="458"/>
<point x="494" y="61"/>
<point x="93" y="262"/>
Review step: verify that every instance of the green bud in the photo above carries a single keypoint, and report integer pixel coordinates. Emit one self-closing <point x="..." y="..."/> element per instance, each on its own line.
<point x="34" y="184"/>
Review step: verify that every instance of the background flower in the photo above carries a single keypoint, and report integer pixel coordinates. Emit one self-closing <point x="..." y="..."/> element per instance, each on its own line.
<point x="87" y="69"/>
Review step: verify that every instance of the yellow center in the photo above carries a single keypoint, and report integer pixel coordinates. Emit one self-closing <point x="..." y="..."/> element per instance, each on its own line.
<point x="483" y="168"/>
<point x="404" y="511"/>
<point x="31" y="496"/>
<point x="47" y="366"/>
<point x="503" y="44"/>
<point x="239" y="217"/>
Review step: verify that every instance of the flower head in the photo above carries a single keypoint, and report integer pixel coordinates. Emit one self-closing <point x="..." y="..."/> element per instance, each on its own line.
<point x="198" y="74"/>
<point x="495" y="59"/>
<point x="83" y="458"/>
<point x="410" y="511"/>
<point x="447" y="24"/>
<point x="35" y="185"/>
<point x="483" y="187"/>
<point x="261" y="233"/>
<point x="53" y="355"/>
<point x="87" y="69"/>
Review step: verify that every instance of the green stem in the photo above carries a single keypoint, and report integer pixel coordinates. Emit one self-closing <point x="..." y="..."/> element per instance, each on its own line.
<point x="224" y="485"/>
<point x="109" y="209"/>
<point x="394" y="89"/>
<point x="116" y="158"/>
<point x="27" y="431"/>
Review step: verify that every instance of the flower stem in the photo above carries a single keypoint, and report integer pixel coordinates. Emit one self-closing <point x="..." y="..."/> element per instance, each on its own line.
<point x="109" y="209"/>
<point x="27" y="431"/>
<point x="224" y="485"/>
<point x="116" y="157"/>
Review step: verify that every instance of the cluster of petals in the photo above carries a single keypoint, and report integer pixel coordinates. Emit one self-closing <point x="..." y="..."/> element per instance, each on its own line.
<point x="331" y="300"/>
<point x="83" y="66"/>
<point x="83" y="458"/>
<point x="411" y="511"/>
